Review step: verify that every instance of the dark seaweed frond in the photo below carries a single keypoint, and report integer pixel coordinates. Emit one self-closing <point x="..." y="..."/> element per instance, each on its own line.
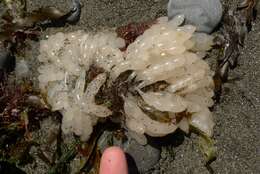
<point x="236" y="24"/>
<point x="17" y="25"/>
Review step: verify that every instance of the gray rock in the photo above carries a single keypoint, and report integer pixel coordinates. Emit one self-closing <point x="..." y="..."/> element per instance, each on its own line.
<point x="204" y="14"/>
<point x="145" y="157"/>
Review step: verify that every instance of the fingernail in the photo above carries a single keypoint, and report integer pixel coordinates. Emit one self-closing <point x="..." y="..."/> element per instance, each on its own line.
<point x="113" y="161"/>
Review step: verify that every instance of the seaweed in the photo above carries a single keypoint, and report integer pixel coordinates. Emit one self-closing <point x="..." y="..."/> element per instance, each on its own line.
<point x="20" y="114"/>
<point x="131" y="31"/>
<point x="91" y="152"/>
<point x="236" y="23"/>
<point x="7" y="58"/>
<point x="112" y="94"/>
<point x="17" y="24"/>
<point x="22" y="108"/>
<point x="61" y="165"/>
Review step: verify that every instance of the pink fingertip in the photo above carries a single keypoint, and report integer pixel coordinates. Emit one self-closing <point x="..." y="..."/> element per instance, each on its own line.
<point x="113" y="161"/>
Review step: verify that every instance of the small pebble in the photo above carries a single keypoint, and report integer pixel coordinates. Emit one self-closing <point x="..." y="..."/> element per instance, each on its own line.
<point x="204" y="14"/>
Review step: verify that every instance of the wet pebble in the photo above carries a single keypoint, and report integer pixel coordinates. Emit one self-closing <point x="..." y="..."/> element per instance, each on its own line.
<point x="204" y="14"/>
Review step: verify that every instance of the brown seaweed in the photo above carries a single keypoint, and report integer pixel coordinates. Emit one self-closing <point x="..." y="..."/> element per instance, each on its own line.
<point x="19" y="116"/>
<point x="7" y="58"/>
<point x="131" y="31"/>
<point x="112" y="94"/>
<point x="236" y="24"/>
<point x="61" y="164"/>
<point x="17" y="24"/>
